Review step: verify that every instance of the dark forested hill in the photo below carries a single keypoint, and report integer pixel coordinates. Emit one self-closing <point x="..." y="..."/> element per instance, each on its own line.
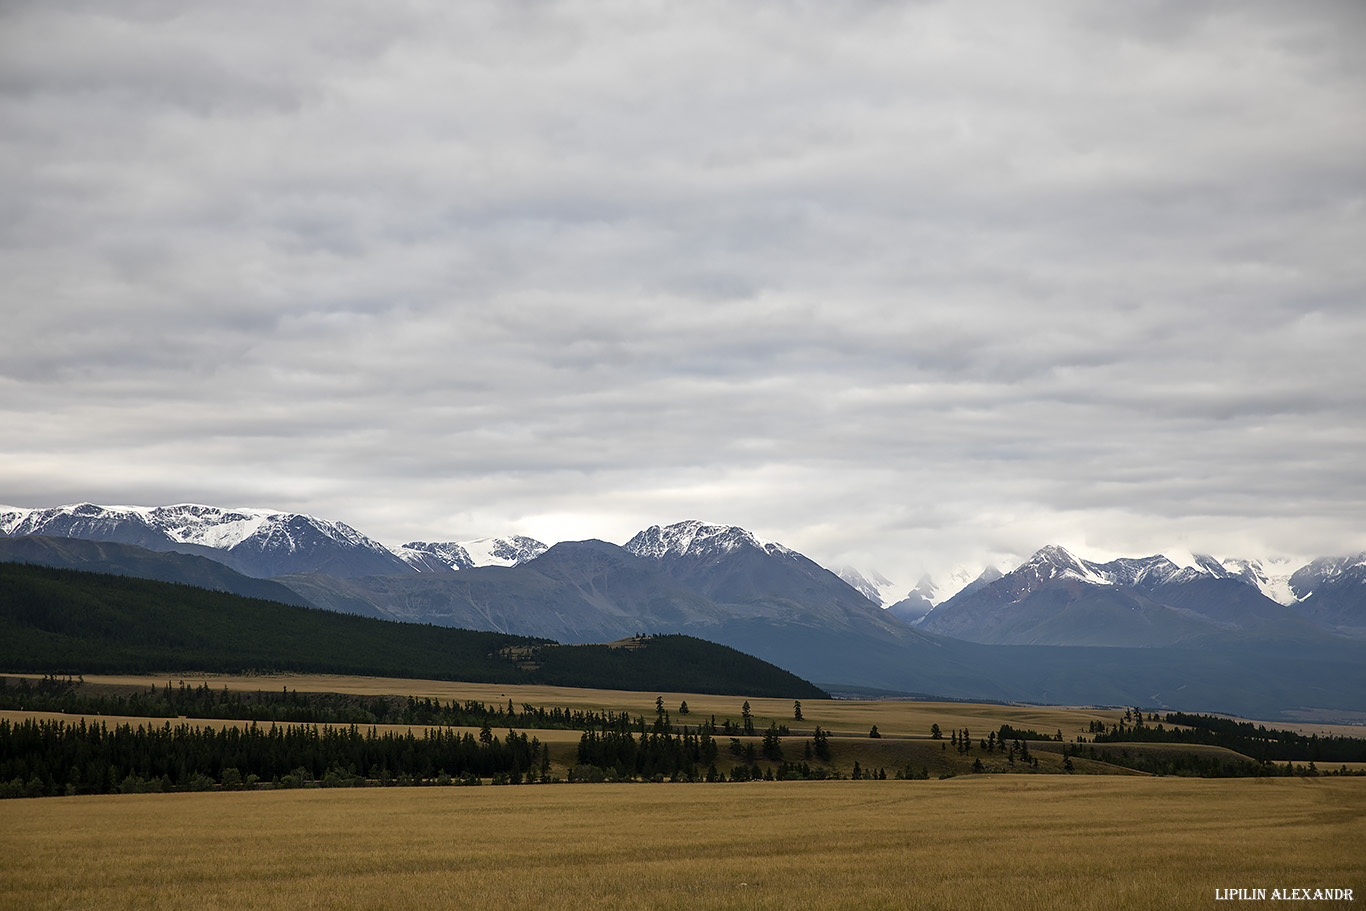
<point x="66" y="621"/>
<point x="131" y="560"/>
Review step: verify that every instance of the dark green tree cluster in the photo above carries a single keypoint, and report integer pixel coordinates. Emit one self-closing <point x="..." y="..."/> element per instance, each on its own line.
<point x="772" y="748"/>
<point x="471" y="713"/>
<point x="785" y="771"/>
<point x="859" y="774"/>
<point x="66" y="695"/>
<point x="820" y="744"/>
<point x="95" y="758"/>
<point x="1257" y="741"/>
<point x="801" y="771"/>
<point x="69" y="696"/>
<point x="657" y="754"/>
<point x="1194" y="765"/>
<point x="1013" y="733"/>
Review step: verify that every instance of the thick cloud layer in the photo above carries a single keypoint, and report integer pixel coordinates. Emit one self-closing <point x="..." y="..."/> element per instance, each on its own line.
<point x="898" y="284"/>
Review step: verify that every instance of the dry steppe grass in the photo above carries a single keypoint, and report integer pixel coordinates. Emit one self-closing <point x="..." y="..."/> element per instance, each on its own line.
<point x="894" y="718"/>
<point x="1008" y="843"/>
<point x="904" y="725"/>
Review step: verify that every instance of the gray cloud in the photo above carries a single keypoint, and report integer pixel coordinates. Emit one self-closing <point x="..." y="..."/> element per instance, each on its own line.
<point x="903" y="284"/>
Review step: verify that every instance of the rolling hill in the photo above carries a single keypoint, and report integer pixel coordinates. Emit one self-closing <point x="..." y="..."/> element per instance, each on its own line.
<point x="67" y="621"/>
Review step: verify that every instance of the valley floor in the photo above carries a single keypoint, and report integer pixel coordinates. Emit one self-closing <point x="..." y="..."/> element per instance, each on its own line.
<point x="984" y="843"/>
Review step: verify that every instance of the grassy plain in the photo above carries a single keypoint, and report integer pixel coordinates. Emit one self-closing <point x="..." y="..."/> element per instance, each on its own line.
<point x="1008" y="843"/>
<point x="904" y="726"/>
<point x="905" y="742"/>
<point x="894" y="718"/>
<point x="993" y="841"/>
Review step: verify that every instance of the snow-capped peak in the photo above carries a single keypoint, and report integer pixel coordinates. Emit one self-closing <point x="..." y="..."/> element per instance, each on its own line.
<point x="507" y="551"/>
<point x="1057" y="562"/>
<point x="224" y="529"/>
<point x="258" y="542"/>
<point x="1271" y="576"/>
<point x="1310" y="577"/>
<point x="425" y="556"/>
<point x="691" y="538"/>
<point x="189" y="523"/>
<point x="1152" y="570"/>
<point x="457" y="555"/>
<point x="183" y="523"/>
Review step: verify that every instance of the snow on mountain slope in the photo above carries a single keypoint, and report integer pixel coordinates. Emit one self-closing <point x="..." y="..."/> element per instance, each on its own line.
<point x="184" y="523"/>
<point x="453" y="556"/>
<point x="258" y="542"/>
<point x="269" y="542"/>
<point x="1054" y="562"/>
<point x="1271" y="577"/>
<point x="427" y="557"/>
<point x="1139" y="571"/>
<point x="1312" y="576"/>
<point x="503" y="551"/>
<point x="691" y="539"/>
<point x="81" y="520"/>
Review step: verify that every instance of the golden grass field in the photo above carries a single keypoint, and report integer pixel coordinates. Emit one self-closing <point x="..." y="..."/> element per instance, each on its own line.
<point x="994" y="841"/>
<point x="1008" y="843"/>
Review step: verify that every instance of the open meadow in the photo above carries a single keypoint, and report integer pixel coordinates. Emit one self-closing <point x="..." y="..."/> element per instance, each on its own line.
<point x="1010" y="837"/>
<point x="1007" y="843"/>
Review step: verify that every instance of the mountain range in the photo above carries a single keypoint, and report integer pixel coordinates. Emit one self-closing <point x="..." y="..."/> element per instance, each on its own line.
<point x="1057" y="598"/>
<point x="261" y="542"/>
<point x="1057" y="628"/>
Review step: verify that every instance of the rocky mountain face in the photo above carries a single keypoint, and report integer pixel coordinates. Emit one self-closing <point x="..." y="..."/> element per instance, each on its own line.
<point x="728" y="565"/>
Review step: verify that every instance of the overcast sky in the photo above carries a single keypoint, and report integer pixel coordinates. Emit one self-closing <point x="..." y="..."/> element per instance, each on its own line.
<point x="900" y="284"/>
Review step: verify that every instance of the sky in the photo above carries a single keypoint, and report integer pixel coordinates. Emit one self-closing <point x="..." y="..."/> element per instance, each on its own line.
<point x="903" y="285"/>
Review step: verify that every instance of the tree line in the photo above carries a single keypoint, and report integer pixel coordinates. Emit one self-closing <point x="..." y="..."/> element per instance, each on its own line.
<point x="43" y="757"/>
<point x="1184" y="763"/>
<point x="66" y="695"/>
<point x="1261" y="743"/>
